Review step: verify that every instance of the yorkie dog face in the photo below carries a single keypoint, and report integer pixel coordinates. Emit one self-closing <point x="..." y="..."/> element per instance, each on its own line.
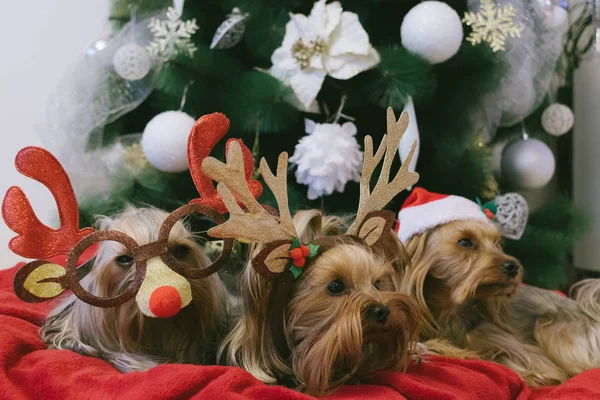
<point x="467" y="258"/>
<point x="124" y="336"/>
<point x="345" y="320"/>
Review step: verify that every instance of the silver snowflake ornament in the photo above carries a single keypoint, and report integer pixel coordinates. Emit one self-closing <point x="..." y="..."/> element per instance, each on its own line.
<point x="492" y="24"/>
<point x="171" y="36"/>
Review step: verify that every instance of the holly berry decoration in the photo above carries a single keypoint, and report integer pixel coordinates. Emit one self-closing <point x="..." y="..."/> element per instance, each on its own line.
<point x="300" y="253"/>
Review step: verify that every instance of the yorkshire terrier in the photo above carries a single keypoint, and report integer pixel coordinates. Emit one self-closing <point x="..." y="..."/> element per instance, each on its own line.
<point x="473" y="304"/>
<point x="344" y="321"/>
<point x="122" y="335"/>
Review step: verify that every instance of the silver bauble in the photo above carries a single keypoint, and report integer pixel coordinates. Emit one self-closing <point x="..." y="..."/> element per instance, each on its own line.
<point x="528" y="164"/>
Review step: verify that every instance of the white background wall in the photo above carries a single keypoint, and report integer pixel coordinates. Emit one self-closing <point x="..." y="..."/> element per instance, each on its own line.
<point x="41" y="39"/>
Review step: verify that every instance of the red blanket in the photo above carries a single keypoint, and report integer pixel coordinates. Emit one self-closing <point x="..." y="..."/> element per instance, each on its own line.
<point x="29" y="371"/>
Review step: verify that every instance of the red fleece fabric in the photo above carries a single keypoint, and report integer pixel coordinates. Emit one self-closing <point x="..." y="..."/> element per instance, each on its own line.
<point x="30" y="371"/>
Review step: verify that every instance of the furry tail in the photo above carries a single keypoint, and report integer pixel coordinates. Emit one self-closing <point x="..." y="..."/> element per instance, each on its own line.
<point x="587" y="295"/>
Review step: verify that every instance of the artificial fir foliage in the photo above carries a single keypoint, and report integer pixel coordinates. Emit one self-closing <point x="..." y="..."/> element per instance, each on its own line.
<point x="454" y="156"/>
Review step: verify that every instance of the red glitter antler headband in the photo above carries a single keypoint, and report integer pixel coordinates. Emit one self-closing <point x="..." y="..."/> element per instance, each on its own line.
<point x="41" y="280"/>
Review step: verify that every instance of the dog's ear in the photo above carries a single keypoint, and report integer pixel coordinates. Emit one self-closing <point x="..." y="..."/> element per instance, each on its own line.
<point x="375" y="226"/>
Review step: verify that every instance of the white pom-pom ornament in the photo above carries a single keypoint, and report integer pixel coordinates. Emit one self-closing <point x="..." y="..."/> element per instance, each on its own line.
<point x="528" y="164"/>
<point x="132" y="62"/>
<point x="432" y="30"/>
<point x="165" y="139"/>
<point x="557" y="119"/>
<point x="327" y="158"/>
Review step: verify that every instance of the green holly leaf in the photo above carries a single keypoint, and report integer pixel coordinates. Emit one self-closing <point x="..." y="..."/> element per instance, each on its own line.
<point x="295" y="244"/>
<point x="314" y="248"/>
<point x="295" y="271"/>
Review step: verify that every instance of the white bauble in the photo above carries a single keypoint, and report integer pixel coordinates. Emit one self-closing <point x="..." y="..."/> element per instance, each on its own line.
<point x="432" y="30"/>
<point x="132" y="62"/>
<point x="528" y="164"/>
<point x="557" y="119"/>
<point x="165" y="139"/>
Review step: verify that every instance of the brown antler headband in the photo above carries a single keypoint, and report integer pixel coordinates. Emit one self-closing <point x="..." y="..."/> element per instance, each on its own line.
<point x="283" y="257"/>
<point x="41" y="280"/>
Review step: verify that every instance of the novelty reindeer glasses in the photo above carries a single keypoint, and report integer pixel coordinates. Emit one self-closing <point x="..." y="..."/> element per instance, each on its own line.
<point x="155" y="268"/>
<point x="283" y="257"/>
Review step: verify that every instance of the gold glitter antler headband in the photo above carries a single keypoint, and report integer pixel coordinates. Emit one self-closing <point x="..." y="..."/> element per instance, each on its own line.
<point x="384" y="190"/>
<point x="254" y="224"/>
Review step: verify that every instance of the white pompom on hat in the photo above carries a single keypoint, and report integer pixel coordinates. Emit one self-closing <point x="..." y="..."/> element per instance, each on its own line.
<point x="424" y="210"/>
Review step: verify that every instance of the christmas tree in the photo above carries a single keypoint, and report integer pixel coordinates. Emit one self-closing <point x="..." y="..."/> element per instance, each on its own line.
<point x="313" y="78"/>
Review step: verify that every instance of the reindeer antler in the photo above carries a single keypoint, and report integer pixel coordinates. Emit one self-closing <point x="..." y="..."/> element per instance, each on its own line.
<point x="256" y="224"/>
<point x="384" y="190"/>
<point x="36" y="240"/>
<point x="205" y="134"/>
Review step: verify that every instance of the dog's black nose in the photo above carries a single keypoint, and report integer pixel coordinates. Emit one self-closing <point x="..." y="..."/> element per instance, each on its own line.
<point x="379" y="313"/>
<point x="511" y="268"/>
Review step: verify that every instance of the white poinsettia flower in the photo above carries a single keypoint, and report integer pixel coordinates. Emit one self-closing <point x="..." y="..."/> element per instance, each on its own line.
<point x="329" y="41"/>
<point x="327" y="158"/>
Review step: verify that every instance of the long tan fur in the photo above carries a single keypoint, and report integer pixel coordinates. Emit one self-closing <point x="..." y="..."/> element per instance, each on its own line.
<point x="332" y="339"/>
<point x="470" y="307"/>
<point x="123" y="336"/>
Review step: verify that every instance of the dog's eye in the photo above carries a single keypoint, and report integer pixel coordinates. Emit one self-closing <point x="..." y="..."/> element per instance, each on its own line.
<point x="465" y="242"/>
<point x="335" y="287"/>
<point x="376" y="284"/>
<point x="124" y="261"/>
<point x="180" y="251"/>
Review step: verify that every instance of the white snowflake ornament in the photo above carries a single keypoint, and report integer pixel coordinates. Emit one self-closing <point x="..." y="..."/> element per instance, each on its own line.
<point x="492" y="24"/>
<point x="327" y="158"/>
<point x="171" y="36"/>
<point x="329" y="41"/>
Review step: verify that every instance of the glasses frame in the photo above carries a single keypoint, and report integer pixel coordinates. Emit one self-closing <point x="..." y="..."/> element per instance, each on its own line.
<point x="159" y="248"/>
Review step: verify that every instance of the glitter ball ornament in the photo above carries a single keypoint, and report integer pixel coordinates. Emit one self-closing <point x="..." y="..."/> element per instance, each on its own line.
<point x="327" y="158"/>
<point x="165" y="139"/>
<point x="528" y="164"/>
<point x="511" y="215"/>
<point x="230" y="32"/>
<point x="132" y="62"/>
<point x="557" y="119"/>
<point x="432" y="30"/>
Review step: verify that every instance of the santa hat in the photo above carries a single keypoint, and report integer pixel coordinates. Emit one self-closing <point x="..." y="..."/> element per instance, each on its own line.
<point x="424" y="210"/>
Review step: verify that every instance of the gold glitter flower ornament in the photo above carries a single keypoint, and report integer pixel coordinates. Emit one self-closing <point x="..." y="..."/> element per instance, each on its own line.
<point x="329" y="41"/>
<point x="492" y="24"/>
